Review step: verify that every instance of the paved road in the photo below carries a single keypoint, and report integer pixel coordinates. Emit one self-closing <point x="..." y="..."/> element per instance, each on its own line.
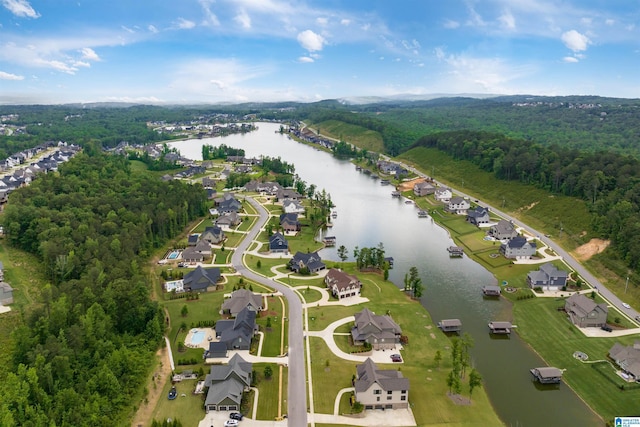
<point x="297" y="395"/>
<point x="568" y="259"/>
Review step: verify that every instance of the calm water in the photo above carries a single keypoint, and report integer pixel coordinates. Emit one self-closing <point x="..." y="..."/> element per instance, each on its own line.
<point x="368" y="215"/>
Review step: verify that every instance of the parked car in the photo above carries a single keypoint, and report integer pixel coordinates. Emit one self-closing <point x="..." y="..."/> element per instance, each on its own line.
<point x="396" y="358"/>
<point x="231" y="423"/>
<point x="606" y="328"/>
<point x="173" y="393"/>
<point x="625" y="305"/>
<point x="236" y="416"/>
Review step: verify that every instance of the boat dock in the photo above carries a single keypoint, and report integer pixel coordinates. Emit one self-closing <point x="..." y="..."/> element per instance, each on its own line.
<point x="491" y="291"/>
<point x="385" y="182"/>
<point x="422" y="214"/>
<point x="547" y="375"/>
<point x="395" y="193"/>
<point x="500" y="328"/>
<point x="329" y="240"/>
<point x="450" y="325"/>
<point x="455" y="251"/>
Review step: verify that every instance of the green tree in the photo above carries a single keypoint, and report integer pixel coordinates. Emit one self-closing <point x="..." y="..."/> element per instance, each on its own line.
<point x="475" y="380"/>
<point x="185" y="311"/>
<point x="268" y="372"/>
<point x="342" y="253"/>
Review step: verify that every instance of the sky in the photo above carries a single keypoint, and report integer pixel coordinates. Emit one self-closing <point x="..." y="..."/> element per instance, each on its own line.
<point x="232" y="51"/>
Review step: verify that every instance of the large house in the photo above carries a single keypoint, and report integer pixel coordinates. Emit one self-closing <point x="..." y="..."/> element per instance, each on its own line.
<point x="311" y="261"/>
<point x="627" y="358"/>
<point x="227" y="203"/>
<point x="226" y="384"/>
<point x="191" y="255"/>
<point x="423" y="188"/>
<point x="237" y="333"/>
<point x="503" y="230"/>
<point x="518" y="248"/>
<point x="458" y="205"/>
<point x="289" y="222"/>
<point x="213" y="235"/>
<point x="287" y="194"/>
<point x="379" y="331"/>
<point x="292" y="206"/>
<point x="228" y="220"/>
<point x="342" y="285"/>
<point x="380" y="389"/>
<point x="278" y="244"/>
<point x="584" y="312"/>
<point x="478" y="216"/>
<point x="547" y="277"/>
<point x="443" y="195"/>
<point x="201" y="279"/>
<point x="240" y="299"/>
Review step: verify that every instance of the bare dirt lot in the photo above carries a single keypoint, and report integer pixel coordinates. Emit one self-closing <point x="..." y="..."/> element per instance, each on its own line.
<point x="593" y="247"/>
<point x="408" y="185"/>
<point x="161" y="374"/>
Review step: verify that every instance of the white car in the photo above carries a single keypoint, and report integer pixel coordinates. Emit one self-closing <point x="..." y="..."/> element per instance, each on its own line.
<point x="231" y="423"/>
<point x="625" y="305"/>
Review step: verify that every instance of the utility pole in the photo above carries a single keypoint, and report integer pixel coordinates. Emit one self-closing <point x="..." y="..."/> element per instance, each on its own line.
<point x="626" y="285"/>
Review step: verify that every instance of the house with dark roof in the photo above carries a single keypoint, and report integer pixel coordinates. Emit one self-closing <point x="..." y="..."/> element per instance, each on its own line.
<point x="380" y="388"/>
<point x="240" y="299"/>
<point x="228" y="220"/>
<point x="278" y="244"/>
<point x="192" y="240"/>
<point x="423" y="188"/>
<point x="217" y="350"/>
<point x="311" y="261"/>
<point x="201" y="279"/>
<point x="518" y="248"/>
<point x="226" y="383"/>
<point x="237" y="333"/>
<point x="627" y="358"/>
<point x="341" y="284"/>
<point x="191" y="255"/>
<point x="203" y="247"/>
<point x="478" y="216"/>
<point x="458" y="205"/>
<point x="6" y="294"/>
<point x="379" y="331"/>
<point x="584" y="312"/>
<point x="227" y="203"/>
<point x="289" y="222"/>
<point x="208" y="182"/>
<point x="503" y="230"/>
<point x="287" y="194"/>
<point x="548" y="277"/>
<point x="213" y="235"/>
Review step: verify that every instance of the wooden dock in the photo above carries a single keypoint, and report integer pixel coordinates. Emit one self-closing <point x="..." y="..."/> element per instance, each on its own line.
<point x="500" y="328"/>
<point x="329" y="240"/>
<point x="450" y="325"/>
<point x="455" y="251"/>
<point x="547" y="375"/>
<point x="491" y="291"/>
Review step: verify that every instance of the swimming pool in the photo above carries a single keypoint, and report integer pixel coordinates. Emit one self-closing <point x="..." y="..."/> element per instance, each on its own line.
<point x="197" y="337"/>
<point x="173" y="255"/>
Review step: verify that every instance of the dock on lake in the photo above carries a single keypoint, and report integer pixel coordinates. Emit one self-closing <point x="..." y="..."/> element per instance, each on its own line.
<point x="491" y="291"/>
<point x="329" y="240"/>
<point x="547" y="375"/>
<point x="455" y="251"/>
<point x="503" y="328"/>
<point x="450" y="325"/>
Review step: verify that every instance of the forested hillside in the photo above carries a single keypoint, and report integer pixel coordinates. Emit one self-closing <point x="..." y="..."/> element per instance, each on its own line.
<point x="82" y="355"/>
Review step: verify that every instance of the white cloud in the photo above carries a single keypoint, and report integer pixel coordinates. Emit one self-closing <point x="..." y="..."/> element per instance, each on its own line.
<point x="575" y="41"/>
<point x="610" y="21"/>
<point x="20" y="8"/>
<point x="322" y="21"/>
<point x="128" y="30"/>
<point x="451" y="25"/>
<point x="413" y="45"/>
<point x="507" y="21"/>
<point x="210" y="19"/>
<point x="9" y="76"/>
<point x="311" y="41"/>
<point x="89" y="54"/>
<point x="570" y="59"/>
<point x="183" y="24"/>
<point x="243" y="19"/>
<point x="305" y="59"/>
<point x="152" y="29"/>
<point x="345" y="22"/>
<point x="81" y="64"/>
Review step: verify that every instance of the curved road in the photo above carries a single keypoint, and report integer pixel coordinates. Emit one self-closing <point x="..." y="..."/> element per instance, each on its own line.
<point x="567" y="258"/>
<point x="297" y="395"/>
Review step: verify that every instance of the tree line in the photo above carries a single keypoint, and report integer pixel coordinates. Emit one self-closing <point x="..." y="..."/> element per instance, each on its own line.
<point x="82" y="354"/>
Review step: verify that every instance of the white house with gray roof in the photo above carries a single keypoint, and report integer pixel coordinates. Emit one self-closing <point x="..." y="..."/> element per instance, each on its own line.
<point x="548" y="277"/>
<point x="503" y="230"/>
<point x="240" y="299"/>
<point x="381" y="389"/>
<point x="518" y="248"/>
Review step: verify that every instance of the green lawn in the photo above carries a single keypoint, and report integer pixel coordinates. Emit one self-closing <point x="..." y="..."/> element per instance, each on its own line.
<point x="189" y="409"/>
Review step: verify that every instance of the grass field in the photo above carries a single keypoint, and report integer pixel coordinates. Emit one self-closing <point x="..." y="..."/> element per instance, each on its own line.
<point x="363" y="138"/>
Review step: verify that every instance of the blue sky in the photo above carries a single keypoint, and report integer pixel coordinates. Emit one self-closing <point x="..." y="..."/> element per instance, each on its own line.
<point x="212" y="51"/>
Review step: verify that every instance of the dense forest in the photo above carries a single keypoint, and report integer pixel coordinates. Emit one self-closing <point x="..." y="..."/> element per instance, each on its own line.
<point x="82" y="355"/>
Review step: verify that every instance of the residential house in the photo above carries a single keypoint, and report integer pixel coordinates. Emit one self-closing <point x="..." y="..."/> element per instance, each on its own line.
<point x="240" y="299"/>
<point x="227" y="203"/>
<point x="6" y="294"/>
<point x="228" y="220"/>
<point x="310" y="261"/>
<point x="424" y="188"/>
<point x="289" y="223"/>
<point x="212" y="193"/>
<point x="191" y="255"/>
<point x="584" y="312"/>
<point x="237" y="333"/>
<point x="379" y="331"/>
<point x="443" y="195"/>
<point x="287" y="194"/>
<point x="201" y="279"/>
<point x="503" y="230"/>
<point x="278" y="244"/>
<point x="478" y="216"/>
<point x="342" y="285"/>
<point x="627" y="358"/>
<point x="458" y="205"/>
<point x="268" y="188"/>
<point x="548" y="277"/>
<point x="192" y="240"/>
<point x="213" y="235"/>
<point x="518" y="248"/>
<point x="203" y="247"/>
<point x="217" y="350"/>
<point x="292" y="206"/>
<point x="226" y="383"/>
<point x="380" y="388"/>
